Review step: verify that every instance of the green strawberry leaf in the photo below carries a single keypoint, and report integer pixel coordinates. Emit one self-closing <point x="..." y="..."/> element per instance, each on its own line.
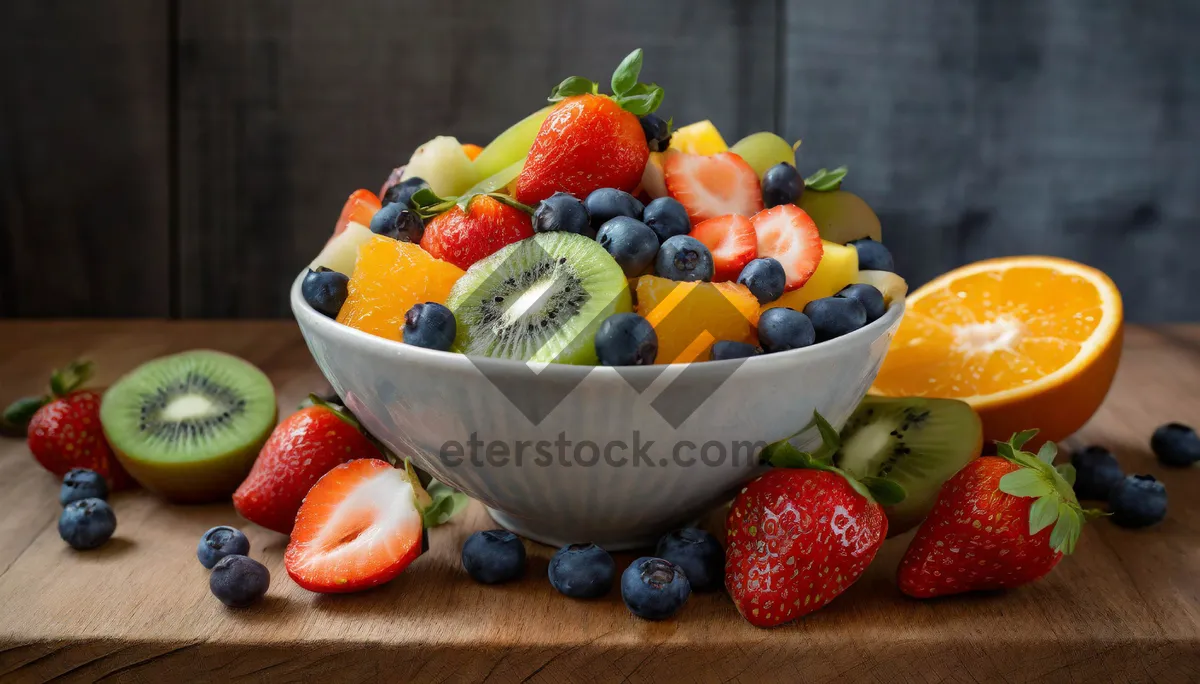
<point x="1067" y="471"/>
<point x="625" y="78"/>
<point x="1053" y="486"/>
<point x="1026" y="482"/>
<point x="884" y="491"/>
<point x="831" y="441"/>
<point x="447" y="503"/>
<point x="1043" y="513"/>
<point x="70" y="378"/>
<point x="506" y="200"/>
<point x="1021" y="438"/>
<point x="1047" y="453"/>
<point x="15" y="421"/>
<point x="572" y="86"/>
<point x="784" y="454"/>
<point x="427" y="204"/>
<point x="825" y="180"/>
<point x="1066" y="531"/>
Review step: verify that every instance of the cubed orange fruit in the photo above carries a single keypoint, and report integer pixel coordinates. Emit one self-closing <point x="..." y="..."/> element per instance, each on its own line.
<point x="389" y="278"/>
<point x="690" y="317"/>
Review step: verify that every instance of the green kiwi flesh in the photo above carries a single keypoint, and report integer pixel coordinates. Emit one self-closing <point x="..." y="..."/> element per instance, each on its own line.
<point x="918" y="443"/>
<point x="540" y="299"/>
<point x="189" y="426"/>
<point x="841" y="216"/>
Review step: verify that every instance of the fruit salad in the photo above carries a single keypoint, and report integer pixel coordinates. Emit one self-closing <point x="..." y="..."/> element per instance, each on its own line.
<point x="595" y="232"/>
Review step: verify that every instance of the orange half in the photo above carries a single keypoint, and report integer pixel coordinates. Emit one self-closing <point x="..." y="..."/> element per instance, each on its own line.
<point x="1029" y="342"/>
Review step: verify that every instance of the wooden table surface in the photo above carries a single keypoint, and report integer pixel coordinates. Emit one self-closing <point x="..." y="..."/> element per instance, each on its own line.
<point x="1125" y="607"/>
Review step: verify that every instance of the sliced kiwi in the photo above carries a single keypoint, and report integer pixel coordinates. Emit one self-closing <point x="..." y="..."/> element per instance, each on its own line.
<point x="189" y="426"/>
<point x="540" y="299"/>
<point x="918" y="443"/>
<point x="841" y="216"/>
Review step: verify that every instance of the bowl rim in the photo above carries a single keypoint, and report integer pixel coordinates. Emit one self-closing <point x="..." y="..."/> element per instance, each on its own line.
<point x="306" y="316"/>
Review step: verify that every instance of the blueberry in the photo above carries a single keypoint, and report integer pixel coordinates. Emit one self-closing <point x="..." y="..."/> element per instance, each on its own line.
<point x="582" y="571"/>
<point x="835" y="316"/>
<point x="219" y="542"/>
<point x="653" y="588"/>
<point x="765" y="278"/>
<point x="561" y="212"/>
<point x="239" y="581"/>
<point x="781" y="184"/>
<point x="781" y="329"/>
<point x="630" y="242"/>
<point x="869" y="296"/>
<point x="493" y="556"/>
<point x="325" y="290"/>
<point x="626" y="339"/>
<point x="1176" y="445"/>
<point x="606" y="204"/>
<point x="401" y="193"/>
<point x="658" y="133"/>
<point x="87" y="523"/>
<point x="728" y="349"/>
<point x="1138" y="501"/>
<point x="429" y="325"/>
<point x="685" y="258"/>
<point x="398" y="222"/>
<point x="667" y="218"/>
<point x="698" y="554"/>
<point x="81" y="483"/>
<point x="873" y="256"/>
<point x="1096" y="473"/>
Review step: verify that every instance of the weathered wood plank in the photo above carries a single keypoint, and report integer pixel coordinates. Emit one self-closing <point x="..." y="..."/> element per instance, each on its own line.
<point x="84" y="174"/>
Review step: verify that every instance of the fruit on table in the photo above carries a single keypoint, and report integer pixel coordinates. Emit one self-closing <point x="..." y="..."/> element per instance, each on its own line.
<point x="538" y="300"/>
<point x="360" y="525"/>
<point x="429" y="325"/>
<point x="464" y="237"/>
<point x="65" y="432"/>
<point x="732" y="242"/>
<point x="341" y="252"/>
<point x="630" y="242"/>
<point x="713" y="185"/>
<point x="698" y="554"/>
<point x="764" y="150"/>
<point x="219" y="542"/>
<point x="1138" y="501"/>
<point x="398" y="222"/>
<point x="1176" y="445"/>
<point x="1022" y="339"/>
<point x="684" y="258"/>
<point x="301" y="449"/>
<point x="701" y="137"/>
<point x="582" y="571"/>
<point x="689" y="317"/>
<point x="493" y="556"/>
<point x="188" y="426"/>
<point x="781" y="329"/>
<point x="728" y="349"/>
<point x="626" y="339"/>
<point x="873" y="256"/>
<point x="789" y="236"/>
<point x="1096" y="473"/>
<point x="325" y="290"/>
<point x="654" y="176"/>
<point x="654" y="588"/>
<point x="841" y="216"/>
<point x="658" y="132"/>
<point x="81" y="483"/>
<point x="915" y="442"/>
<point x="444" y="165"/>
<point x="511" y="146"/>
<point x="605" y="204"/>
<point x="765" y="278"/>
<point x="472" y="151"/>
<point x="1001" y="522"/>
<point x="781" y="184"/>
<point x="837" y="269"/>
<point x="390" y="277"/>
<point x="892" y="286"/>
<point x="239" y="581"/>
<point x="868" y="296"/>
<point x="401" y="192"/>
<point x="835" y="316"/>
<point x="667" y="218"/>
<point x="562" y="212"/>
<point x="87" y="524"/>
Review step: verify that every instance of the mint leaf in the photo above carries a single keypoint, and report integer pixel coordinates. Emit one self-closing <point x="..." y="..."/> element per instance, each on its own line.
<point x="1047" y="453"/>
<point x="1025" y="482"/>
<point x="642" y="104"/>
<point x="826" y="180"/>
<point x="572" y="86"/>
<point x="1043" y="513"/>
<point x="626" y="75"/>
<point x="884" y="491"/>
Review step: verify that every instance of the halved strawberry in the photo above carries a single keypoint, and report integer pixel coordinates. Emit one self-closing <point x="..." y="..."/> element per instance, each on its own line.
<point x="360" y="525"/>
<point x="713" y="185"/>
<point x="732" y="241"/>
<point x="788" y="235"/>
<point x="360" y="207"/>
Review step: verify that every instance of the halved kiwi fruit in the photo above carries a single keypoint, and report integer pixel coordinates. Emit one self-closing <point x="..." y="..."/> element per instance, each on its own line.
<point x="189" y="426"/>
<point x="540" y="299"/>
<point x="916" y="442"/>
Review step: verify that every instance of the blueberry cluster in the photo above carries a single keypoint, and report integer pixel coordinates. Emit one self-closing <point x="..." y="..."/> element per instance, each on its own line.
<point x="237" y="580"/>
<point x="87" y="521"/>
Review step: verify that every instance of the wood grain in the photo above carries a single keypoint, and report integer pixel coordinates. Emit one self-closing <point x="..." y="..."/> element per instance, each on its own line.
<point x="1125" y="608"/>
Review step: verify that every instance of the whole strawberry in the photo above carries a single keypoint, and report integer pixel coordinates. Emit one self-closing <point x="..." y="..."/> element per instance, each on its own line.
<point x="305" y="446"/>
<point x="591" y="141"/>
<point x="1001" y="522"/>
<point x="65" y="432"/>
<point x="801" y="534"/>
<point x="463" y="237"/>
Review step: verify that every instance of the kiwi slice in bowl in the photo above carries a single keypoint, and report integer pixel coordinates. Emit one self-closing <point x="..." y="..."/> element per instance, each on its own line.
<point x="540" y="299"/>
<point x="916" y="442"/>
<point x="189" y="426"/>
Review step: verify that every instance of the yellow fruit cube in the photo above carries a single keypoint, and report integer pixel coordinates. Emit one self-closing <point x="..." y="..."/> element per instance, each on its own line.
<point x="701" y="137"/>
<point x="838" y="268"/>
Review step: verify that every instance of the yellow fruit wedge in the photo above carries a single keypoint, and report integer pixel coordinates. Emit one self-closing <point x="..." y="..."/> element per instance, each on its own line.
<point x="701" y="137"/>
<point x="690" y="317"/>
<point x="838" y="268"/>
<point x="891" y="285"/>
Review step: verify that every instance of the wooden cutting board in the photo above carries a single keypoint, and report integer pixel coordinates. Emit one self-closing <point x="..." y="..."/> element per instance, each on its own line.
<point x="1125" y="607"/>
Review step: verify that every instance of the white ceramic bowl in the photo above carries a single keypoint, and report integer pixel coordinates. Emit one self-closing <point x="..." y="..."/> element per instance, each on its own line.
<point x="534" y="462"/>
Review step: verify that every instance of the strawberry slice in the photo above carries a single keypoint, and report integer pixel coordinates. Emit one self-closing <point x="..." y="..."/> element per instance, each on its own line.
<point x="713" y="185"/>
<point x="732" y="241"/>
<point x="788" y="235"/>
<point x="359" y="526"/>
<point x="360" y="207"/>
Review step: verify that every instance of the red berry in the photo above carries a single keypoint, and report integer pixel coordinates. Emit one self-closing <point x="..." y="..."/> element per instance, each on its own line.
<point x="360" y="208"/>
<point x="788" y="235"/>
<point x="713" y="185"/>
<point x="66" y="433"/>
<point x="464" y="237"/>
<point x="732" y="241"/>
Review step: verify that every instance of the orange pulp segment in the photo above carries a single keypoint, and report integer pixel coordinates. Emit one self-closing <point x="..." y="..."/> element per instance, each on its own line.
<point x="690" y="317"/>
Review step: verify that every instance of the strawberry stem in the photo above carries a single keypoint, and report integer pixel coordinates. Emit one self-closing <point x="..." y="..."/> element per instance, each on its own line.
<point x="1037" y="477"/>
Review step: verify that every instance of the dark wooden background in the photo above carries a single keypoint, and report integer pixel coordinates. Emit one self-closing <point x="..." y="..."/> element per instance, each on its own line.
<point x="186" y="158"/>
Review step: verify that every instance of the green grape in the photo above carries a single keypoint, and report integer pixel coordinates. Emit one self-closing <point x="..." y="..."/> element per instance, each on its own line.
<point x="511" y="145"/>
<point x="764" y="150"/>
<point x="444" y="165"/>
<point x="841" y="216"/>
<point x="498" y="181"/>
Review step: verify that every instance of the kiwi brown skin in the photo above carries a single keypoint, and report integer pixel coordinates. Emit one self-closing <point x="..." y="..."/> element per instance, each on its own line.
<point x="943" y="435"/>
